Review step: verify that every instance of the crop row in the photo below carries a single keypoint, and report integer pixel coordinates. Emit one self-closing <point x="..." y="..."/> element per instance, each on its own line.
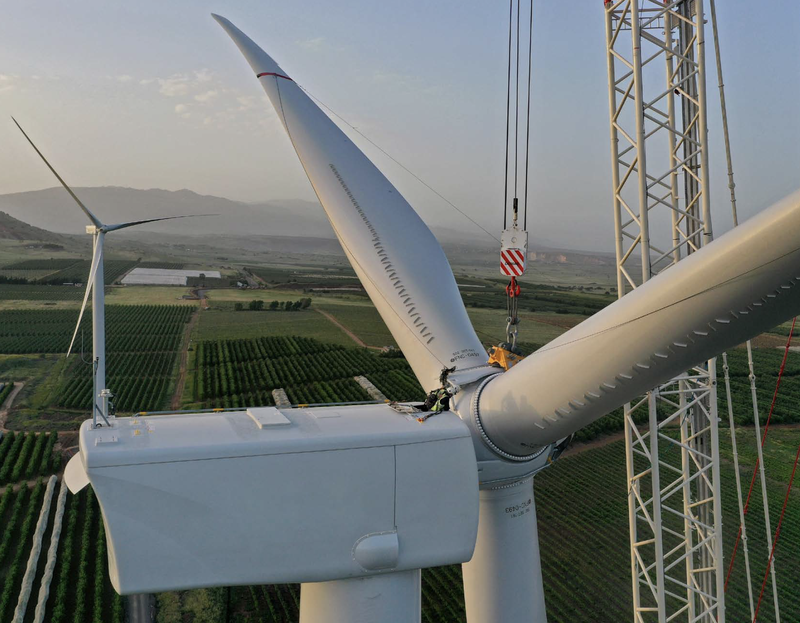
<point x="158" y="318"/>
<point x="150" y="364"/>
<point x="14" y="292"/>
<point x="20" y="526"/>
<point x="239" y="351"/>
<point x="81" y="589"/>
<point x="43" y="264"/>
<point x="399" y="385"/>
<point x="140" y="370"/>
<point x="338" y="390"/>
<point x="25" y="456"/>
<point x="131" y="393"/>
<point x="60" y="343"/>
<point x="7" y="388"/>
<point x="213" y="381"/>
<point x="130" y="328"/>
<point x="79" y="272"/>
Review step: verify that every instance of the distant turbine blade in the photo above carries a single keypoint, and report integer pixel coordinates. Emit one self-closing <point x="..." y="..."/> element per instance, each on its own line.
<point x="92" y="271"/>
<point x="728" y="292"/>
<point x="395" y="255"/>
<point x="151" y="220"/>
<point x="91" y="216"/>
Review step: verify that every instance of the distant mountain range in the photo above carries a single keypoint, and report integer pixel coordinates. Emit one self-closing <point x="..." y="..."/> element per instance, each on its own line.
<point x="37" y="215"/>
<point x="14" y="229"/>
<point x="53" y="209"/>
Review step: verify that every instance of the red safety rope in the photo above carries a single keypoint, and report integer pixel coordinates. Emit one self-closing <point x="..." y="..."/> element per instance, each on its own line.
<point x="777" y="534"/>
<point x="763" y="440"/>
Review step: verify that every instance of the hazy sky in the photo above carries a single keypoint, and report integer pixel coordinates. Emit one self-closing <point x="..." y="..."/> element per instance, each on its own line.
<point x="153" y="94"/>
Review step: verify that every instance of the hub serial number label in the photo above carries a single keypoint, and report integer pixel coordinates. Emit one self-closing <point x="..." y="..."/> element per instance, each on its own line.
<point x="518" y="510"/>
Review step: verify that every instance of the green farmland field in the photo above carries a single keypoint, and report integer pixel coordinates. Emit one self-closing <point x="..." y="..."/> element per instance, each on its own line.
<point x="10" y="292"/>
<point x="220" y="324"/>
<point x="80" y="589"/>
<point x="242" y="373"/>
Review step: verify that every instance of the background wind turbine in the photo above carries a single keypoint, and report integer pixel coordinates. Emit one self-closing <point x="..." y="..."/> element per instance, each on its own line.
<point x="368" y="496"/>
<point x="95" y="284"/>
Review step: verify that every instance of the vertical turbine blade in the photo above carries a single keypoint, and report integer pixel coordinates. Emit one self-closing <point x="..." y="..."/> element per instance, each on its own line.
<point x="92" y="271"/>
<point x="91" y="216"/>
<point x="395" y="255"/>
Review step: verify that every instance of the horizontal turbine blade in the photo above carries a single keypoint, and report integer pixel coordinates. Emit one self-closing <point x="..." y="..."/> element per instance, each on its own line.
<point x="395" y="255"/>
<point x="91" y="216"/>
<point x="735" y="288"/>
<point x="92" y="271"/>
<point x="151" y="220"/>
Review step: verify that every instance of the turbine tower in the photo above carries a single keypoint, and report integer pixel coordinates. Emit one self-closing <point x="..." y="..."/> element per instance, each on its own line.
<point x="368" y="495"/>
<point x="95" y="284"/>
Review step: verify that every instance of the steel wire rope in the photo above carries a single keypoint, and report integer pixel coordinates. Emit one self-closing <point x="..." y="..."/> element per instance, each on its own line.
<point x="759" y="463"/>
<point x="528" y="122"/>
<point x="739" y="497"/>
<point x="397" y="162"/>
<point x="508" y="114"/>
<point x="742" y="532"/>
<point x="516" y="119"/>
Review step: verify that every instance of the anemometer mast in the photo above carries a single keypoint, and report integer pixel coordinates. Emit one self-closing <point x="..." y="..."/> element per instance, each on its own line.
<point x="659" y="153"/>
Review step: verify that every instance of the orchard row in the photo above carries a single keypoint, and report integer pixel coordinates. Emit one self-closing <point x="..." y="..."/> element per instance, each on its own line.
<point x="308" y="370"/>
<point x="130" y="328"/>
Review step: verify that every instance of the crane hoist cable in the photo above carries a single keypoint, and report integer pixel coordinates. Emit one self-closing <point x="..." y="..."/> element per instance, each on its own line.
<point x="514" y="240"/>
<point x="528" y="120"/>
<point x="742" y="532"/>
<point x="508" y="113"/>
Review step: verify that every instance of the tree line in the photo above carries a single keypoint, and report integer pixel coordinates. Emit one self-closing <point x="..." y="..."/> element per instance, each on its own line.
<point x="258" y="305"/>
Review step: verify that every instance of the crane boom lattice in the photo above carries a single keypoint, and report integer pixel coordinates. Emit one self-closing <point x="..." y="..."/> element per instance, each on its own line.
<point x="658" y="124"/>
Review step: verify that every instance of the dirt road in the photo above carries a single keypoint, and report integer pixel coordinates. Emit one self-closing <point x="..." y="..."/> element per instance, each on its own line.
<point x="6" y="407"/>
<point x="187" y="336"/>
<point x="349" y="333"/>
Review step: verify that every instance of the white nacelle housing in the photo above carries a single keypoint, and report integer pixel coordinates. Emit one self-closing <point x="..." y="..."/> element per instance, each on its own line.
<point x="271" y="496"/>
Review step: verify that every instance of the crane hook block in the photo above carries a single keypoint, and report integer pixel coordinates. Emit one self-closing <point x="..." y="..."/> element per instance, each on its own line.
<point x="513" y="252"/>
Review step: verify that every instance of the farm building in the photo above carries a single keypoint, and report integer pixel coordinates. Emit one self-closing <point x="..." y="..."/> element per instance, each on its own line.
<point x="165" y="277"/>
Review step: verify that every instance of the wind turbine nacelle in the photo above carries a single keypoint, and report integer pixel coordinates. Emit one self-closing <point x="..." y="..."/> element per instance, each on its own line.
<point x="91" y="229"/>
<point x="271" y="496"/>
